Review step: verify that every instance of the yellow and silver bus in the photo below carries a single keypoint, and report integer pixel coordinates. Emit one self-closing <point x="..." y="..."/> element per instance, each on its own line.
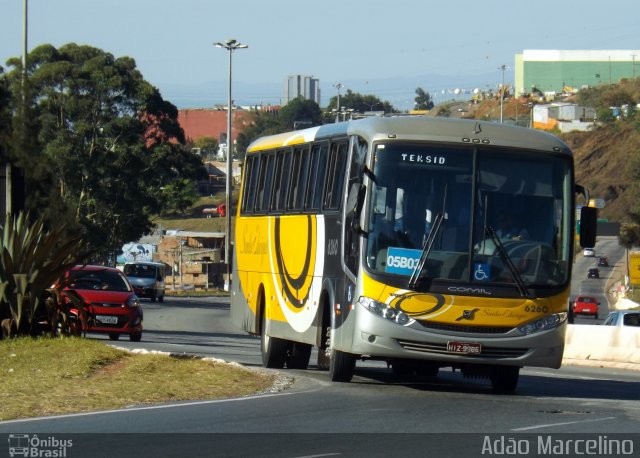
<point x="385" y="238"/>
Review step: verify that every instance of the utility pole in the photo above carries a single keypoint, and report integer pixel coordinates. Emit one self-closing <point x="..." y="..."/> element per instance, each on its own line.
<point x="8" y="198"/>
<point x="230" y="45"/>
<point x="502" y="67"/>
<point x="338" y="87"/>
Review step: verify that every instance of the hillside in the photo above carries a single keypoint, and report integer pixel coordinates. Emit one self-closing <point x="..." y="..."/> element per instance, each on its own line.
<point x="603" y="160"/>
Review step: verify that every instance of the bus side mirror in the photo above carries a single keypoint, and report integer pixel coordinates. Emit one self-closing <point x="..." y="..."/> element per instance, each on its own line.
<point x="588" y="226"/>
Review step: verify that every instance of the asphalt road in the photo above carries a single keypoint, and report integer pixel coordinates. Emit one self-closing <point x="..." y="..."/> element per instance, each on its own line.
<point x="598" y="287"/>
<point x="375" y="415"/>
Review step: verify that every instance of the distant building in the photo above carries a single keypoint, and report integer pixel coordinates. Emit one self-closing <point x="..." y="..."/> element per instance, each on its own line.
<point x="206" y="122"/>
<point x="566" y="117"/>
<point x="555" y="70"/>
<point x="300" y="85"/>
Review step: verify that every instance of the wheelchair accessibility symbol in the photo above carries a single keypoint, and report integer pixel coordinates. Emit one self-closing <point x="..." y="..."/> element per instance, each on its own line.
<point x="481" y="272"/>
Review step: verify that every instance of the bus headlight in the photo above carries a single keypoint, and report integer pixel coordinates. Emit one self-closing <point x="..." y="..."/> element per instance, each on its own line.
<point x="384" y="311"/>
<point x="543" y="324"/>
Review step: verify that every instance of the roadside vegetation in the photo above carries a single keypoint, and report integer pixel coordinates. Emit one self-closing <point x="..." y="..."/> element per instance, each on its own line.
<point x="89" y="376"/>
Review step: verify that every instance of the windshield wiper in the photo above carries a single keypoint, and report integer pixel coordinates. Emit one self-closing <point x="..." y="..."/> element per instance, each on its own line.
<point x="507" y="260"/>
<point x="426" y="249"/>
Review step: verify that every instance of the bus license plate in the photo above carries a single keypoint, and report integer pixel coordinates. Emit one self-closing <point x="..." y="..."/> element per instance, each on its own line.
<point x="105" y="319"/>
<point x="467" y="348"/>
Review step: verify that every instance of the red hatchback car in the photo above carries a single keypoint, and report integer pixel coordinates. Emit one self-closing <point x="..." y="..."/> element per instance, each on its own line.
<point x="586" y="305"/>
<point x="111" y="307"/>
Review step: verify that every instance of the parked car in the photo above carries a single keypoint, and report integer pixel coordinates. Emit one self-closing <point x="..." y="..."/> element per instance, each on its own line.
<point x="623" y="318"/>
<point x="589" y="252"/>
<point x="147" y="279"/>
<point x="111" y="306"/>
<point x="586" y="305"/>
<point x="603" y="261"/>
<point x="593" y="272"/>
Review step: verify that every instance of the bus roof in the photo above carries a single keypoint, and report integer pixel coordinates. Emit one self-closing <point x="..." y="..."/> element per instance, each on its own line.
<point x="411" y="128"/>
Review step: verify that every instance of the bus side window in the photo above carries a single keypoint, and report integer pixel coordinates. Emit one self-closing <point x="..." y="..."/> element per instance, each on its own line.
<point x="313" y="169"/>
<point x="335" y="176"/>
<point x="300" y="173"/>
<point x="277" y="183"/>
<point x="251" y="171"/>
<point x="286" y="180"/>
<point x="264" y="183"/>
<point x="295" y="179"/>
<point x="316" y="177"/>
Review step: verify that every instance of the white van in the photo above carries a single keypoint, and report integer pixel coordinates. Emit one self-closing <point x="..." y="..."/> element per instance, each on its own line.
<point x="147" y="279"/>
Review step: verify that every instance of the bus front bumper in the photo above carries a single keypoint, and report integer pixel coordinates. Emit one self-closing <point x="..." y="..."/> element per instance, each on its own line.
<point x="380" y="338"/>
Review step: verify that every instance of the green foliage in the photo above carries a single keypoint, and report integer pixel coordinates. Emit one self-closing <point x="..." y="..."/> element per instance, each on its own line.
<point x="97" y="142"/>
<point x="298" y="110"/>
<point x="32" y="259"/>
<point x="360" y="103"/>
<point x="269" y="123"/>
<point x="179" y="195"/>
<point x="208" y="146"/>
<point x="423" y="100"/>
<point x="5" y="116"/>
<point x="605" y="115"/>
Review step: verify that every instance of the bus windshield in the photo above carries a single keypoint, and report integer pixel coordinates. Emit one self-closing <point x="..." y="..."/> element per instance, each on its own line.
<point x="502" y="215"/>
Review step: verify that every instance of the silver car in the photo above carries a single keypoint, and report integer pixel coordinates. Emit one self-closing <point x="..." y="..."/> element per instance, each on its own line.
<point x="623" y="318"/>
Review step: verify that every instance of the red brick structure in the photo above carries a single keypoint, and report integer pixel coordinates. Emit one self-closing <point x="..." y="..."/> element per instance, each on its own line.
<point x="207" y="122"/>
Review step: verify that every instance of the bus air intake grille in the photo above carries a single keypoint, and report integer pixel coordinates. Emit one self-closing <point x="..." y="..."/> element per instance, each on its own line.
<point x="441" y="348"/>
<point x="465" y="328"/>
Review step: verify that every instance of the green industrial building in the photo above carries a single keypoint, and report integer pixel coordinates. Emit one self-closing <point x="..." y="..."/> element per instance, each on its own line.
<point x="552" y="70"/>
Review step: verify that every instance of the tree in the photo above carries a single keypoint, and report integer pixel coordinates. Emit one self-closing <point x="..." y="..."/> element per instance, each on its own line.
<point x="5" y="116"/>
<point x="423" y="100"/>
<point x="361" y="103"/>
<point x="296" y="114"/>
<point x="260" y="123"/>
<point x="208" y="146"/>
<point x="106" y="143"/>
<point x="300" y="110"/>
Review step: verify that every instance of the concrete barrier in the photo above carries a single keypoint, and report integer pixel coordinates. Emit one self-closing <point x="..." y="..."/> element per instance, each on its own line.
<point x="595" y="345"/>
<point x="604" y="346"/>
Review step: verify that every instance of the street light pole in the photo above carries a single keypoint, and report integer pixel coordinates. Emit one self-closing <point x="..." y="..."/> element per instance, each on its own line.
<point x="338" y="87"/>
<point x="502" y="67"/>
<point x="230" y="45"/>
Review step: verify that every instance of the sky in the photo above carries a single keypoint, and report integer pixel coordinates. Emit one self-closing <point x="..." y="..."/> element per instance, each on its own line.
<point x="384" y="48"/>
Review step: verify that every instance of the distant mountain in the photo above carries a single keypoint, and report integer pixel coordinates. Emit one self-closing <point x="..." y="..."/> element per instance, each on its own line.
<point x="399" y="91"/>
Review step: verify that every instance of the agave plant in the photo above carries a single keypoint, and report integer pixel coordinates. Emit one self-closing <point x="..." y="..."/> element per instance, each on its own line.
<point x="32" y="258"/>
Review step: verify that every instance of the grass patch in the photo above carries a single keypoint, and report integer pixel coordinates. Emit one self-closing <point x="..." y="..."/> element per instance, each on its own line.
<point x="48" y="376"/>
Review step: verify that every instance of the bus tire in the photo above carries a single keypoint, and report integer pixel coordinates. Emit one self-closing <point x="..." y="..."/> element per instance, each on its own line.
<point x="324" y="348"/>
<point x="427" y="369"/>
<point x="274" y="351"/>
<point x="299" y="356"/>
<point x="401" y="368"/>
<point x="341" y="366"/>
<point x="504" y="379"/>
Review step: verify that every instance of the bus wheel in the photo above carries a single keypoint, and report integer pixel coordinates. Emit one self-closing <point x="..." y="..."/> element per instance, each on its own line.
<point x="324" y="350"/>
<point x="402" y="368"/>
<point x="274" y="350"/>
<point x="341" y="366"/>
<point x="504" y="379"/>
<point x="427" y="369"/>
<point x="299" y="356"/>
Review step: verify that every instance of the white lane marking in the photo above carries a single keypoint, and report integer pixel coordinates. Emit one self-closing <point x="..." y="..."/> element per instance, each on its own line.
<point x="136" y="409"/>
<point x="318" y="456"/>
<point x="527" y="428"/>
